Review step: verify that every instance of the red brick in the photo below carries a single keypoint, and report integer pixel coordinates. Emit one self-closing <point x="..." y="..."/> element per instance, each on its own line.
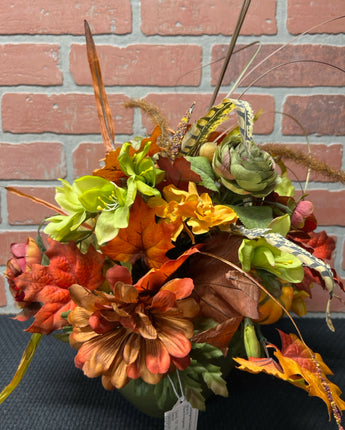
<point x="30" y="64"/>
<point x="86" y="158"/>
<point x="197" y="17"/>
<point x="332" y="153"/>
<point x="319" y="300"/>
<point x="304" y="14"/>
<point x="3" y="300"/>
<point x="300" y="74"/>
<point x="65" y="16"/>
<point x="137" y="65"/>
<point x="9" y="237"/>
<point x="328" y="206"/>
<point x="320" y="114"/>
<point x="174" y="107"/>
<point x="22" y="211"/>
<point x="60" y="113"/>
<point x="39" y="160"/>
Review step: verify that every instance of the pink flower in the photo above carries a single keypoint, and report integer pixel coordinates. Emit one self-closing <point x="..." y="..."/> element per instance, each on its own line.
<point x="303" y="217"/>
<point x="24" y="256"/>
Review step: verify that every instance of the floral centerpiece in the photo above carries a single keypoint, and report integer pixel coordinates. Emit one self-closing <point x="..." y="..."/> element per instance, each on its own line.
<point x="161" y="266"/>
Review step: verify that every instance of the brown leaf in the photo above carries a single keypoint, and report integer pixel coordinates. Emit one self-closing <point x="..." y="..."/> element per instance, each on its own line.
<point x="220" y="335"/>
<point x="224" y="291"/>
<point x="178" y="172"/>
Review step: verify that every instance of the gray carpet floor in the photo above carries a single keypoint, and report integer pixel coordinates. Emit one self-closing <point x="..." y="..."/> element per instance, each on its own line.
<point x="55" y="395"/>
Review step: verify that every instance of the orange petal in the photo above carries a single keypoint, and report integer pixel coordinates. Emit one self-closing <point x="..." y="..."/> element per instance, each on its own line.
<point x="180" y="287"/>
<point x="125" y="293"/>
<point x="181" y="363"/>
<point x="157" y="357"/>
<point x="79" y="317"/>
<point x="175" y="342"/>
<point x="82" y="297"/>
<point x="163" y="300"/>
<point x="189" y="308"/>
<point x="119" y="376"/>
<point x="82" y="335"/>
<point x="173" y="321"/>
<point x="145" y="327"/>
<point x="132" y="348"/>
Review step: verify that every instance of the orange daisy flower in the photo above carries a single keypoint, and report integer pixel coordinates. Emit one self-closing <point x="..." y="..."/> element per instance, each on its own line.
<point x="140" y="330"/>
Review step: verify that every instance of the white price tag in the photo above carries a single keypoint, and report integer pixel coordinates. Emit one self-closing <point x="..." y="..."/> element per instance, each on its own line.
<point x="181" y="417"/>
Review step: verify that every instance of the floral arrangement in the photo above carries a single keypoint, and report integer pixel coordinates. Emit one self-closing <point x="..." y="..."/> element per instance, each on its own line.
<point x="162" y="265"/>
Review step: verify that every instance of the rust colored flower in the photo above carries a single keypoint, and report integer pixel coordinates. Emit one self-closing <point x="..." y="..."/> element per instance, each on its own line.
<point x="140" y="330"/>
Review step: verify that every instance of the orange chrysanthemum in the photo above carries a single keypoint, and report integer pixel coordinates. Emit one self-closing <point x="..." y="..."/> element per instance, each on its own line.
<point x="138" y="331"/>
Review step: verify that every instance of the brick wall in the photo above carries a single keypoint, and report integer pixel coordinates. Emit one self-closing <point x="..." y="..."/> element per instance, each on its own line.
<point x="167" y="52"/>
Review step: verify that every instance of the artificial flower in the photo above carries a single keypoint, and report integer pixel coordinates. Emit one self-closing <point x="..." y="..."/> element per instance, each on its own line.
<point x="259" y="254"/>
<point x="245" y="172"/>
<point x="303" y="217"/>
<point x="187" y="207"/>
<point x="25" y="255"/>
<point x="140" y="330"/>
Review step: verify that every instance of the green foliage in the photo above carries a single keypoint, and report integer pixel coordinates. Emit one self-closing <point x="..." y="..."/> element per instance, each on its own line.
<point x="203" y="167"/>
<point x="254" y="216"/>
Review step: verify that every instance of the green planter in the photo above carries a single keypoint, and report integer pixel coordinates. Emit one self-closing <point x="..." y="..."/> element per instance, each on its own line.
<point x="154" y="400"/>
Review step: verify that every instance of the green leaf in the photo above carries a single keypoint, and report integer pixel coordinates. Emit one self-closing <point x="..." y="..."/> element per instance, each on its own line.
<point x="281" y="225"/>
<point x="254" y="216"/>
<point x="213" y="378"/>
<point x="207" y="351"/>
<point x="284" y="187"/>
<point x="202" y="166"/>
<point x="62" y="337"/>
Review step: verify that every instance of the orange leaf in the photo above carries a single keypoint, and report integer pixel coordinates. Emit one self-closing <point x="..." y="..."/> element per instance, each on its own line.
<point x="111" y="170"/>
<point x="49" y="284"/>
<point x="143" y="238"/>
<point x="154" y="148"/>
<point x="300" y="366"/>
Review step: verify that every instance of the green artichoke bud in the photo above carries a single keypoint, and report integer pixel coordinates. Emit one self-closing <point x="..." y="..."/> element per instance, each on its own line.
<point x="245" y="169"/>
